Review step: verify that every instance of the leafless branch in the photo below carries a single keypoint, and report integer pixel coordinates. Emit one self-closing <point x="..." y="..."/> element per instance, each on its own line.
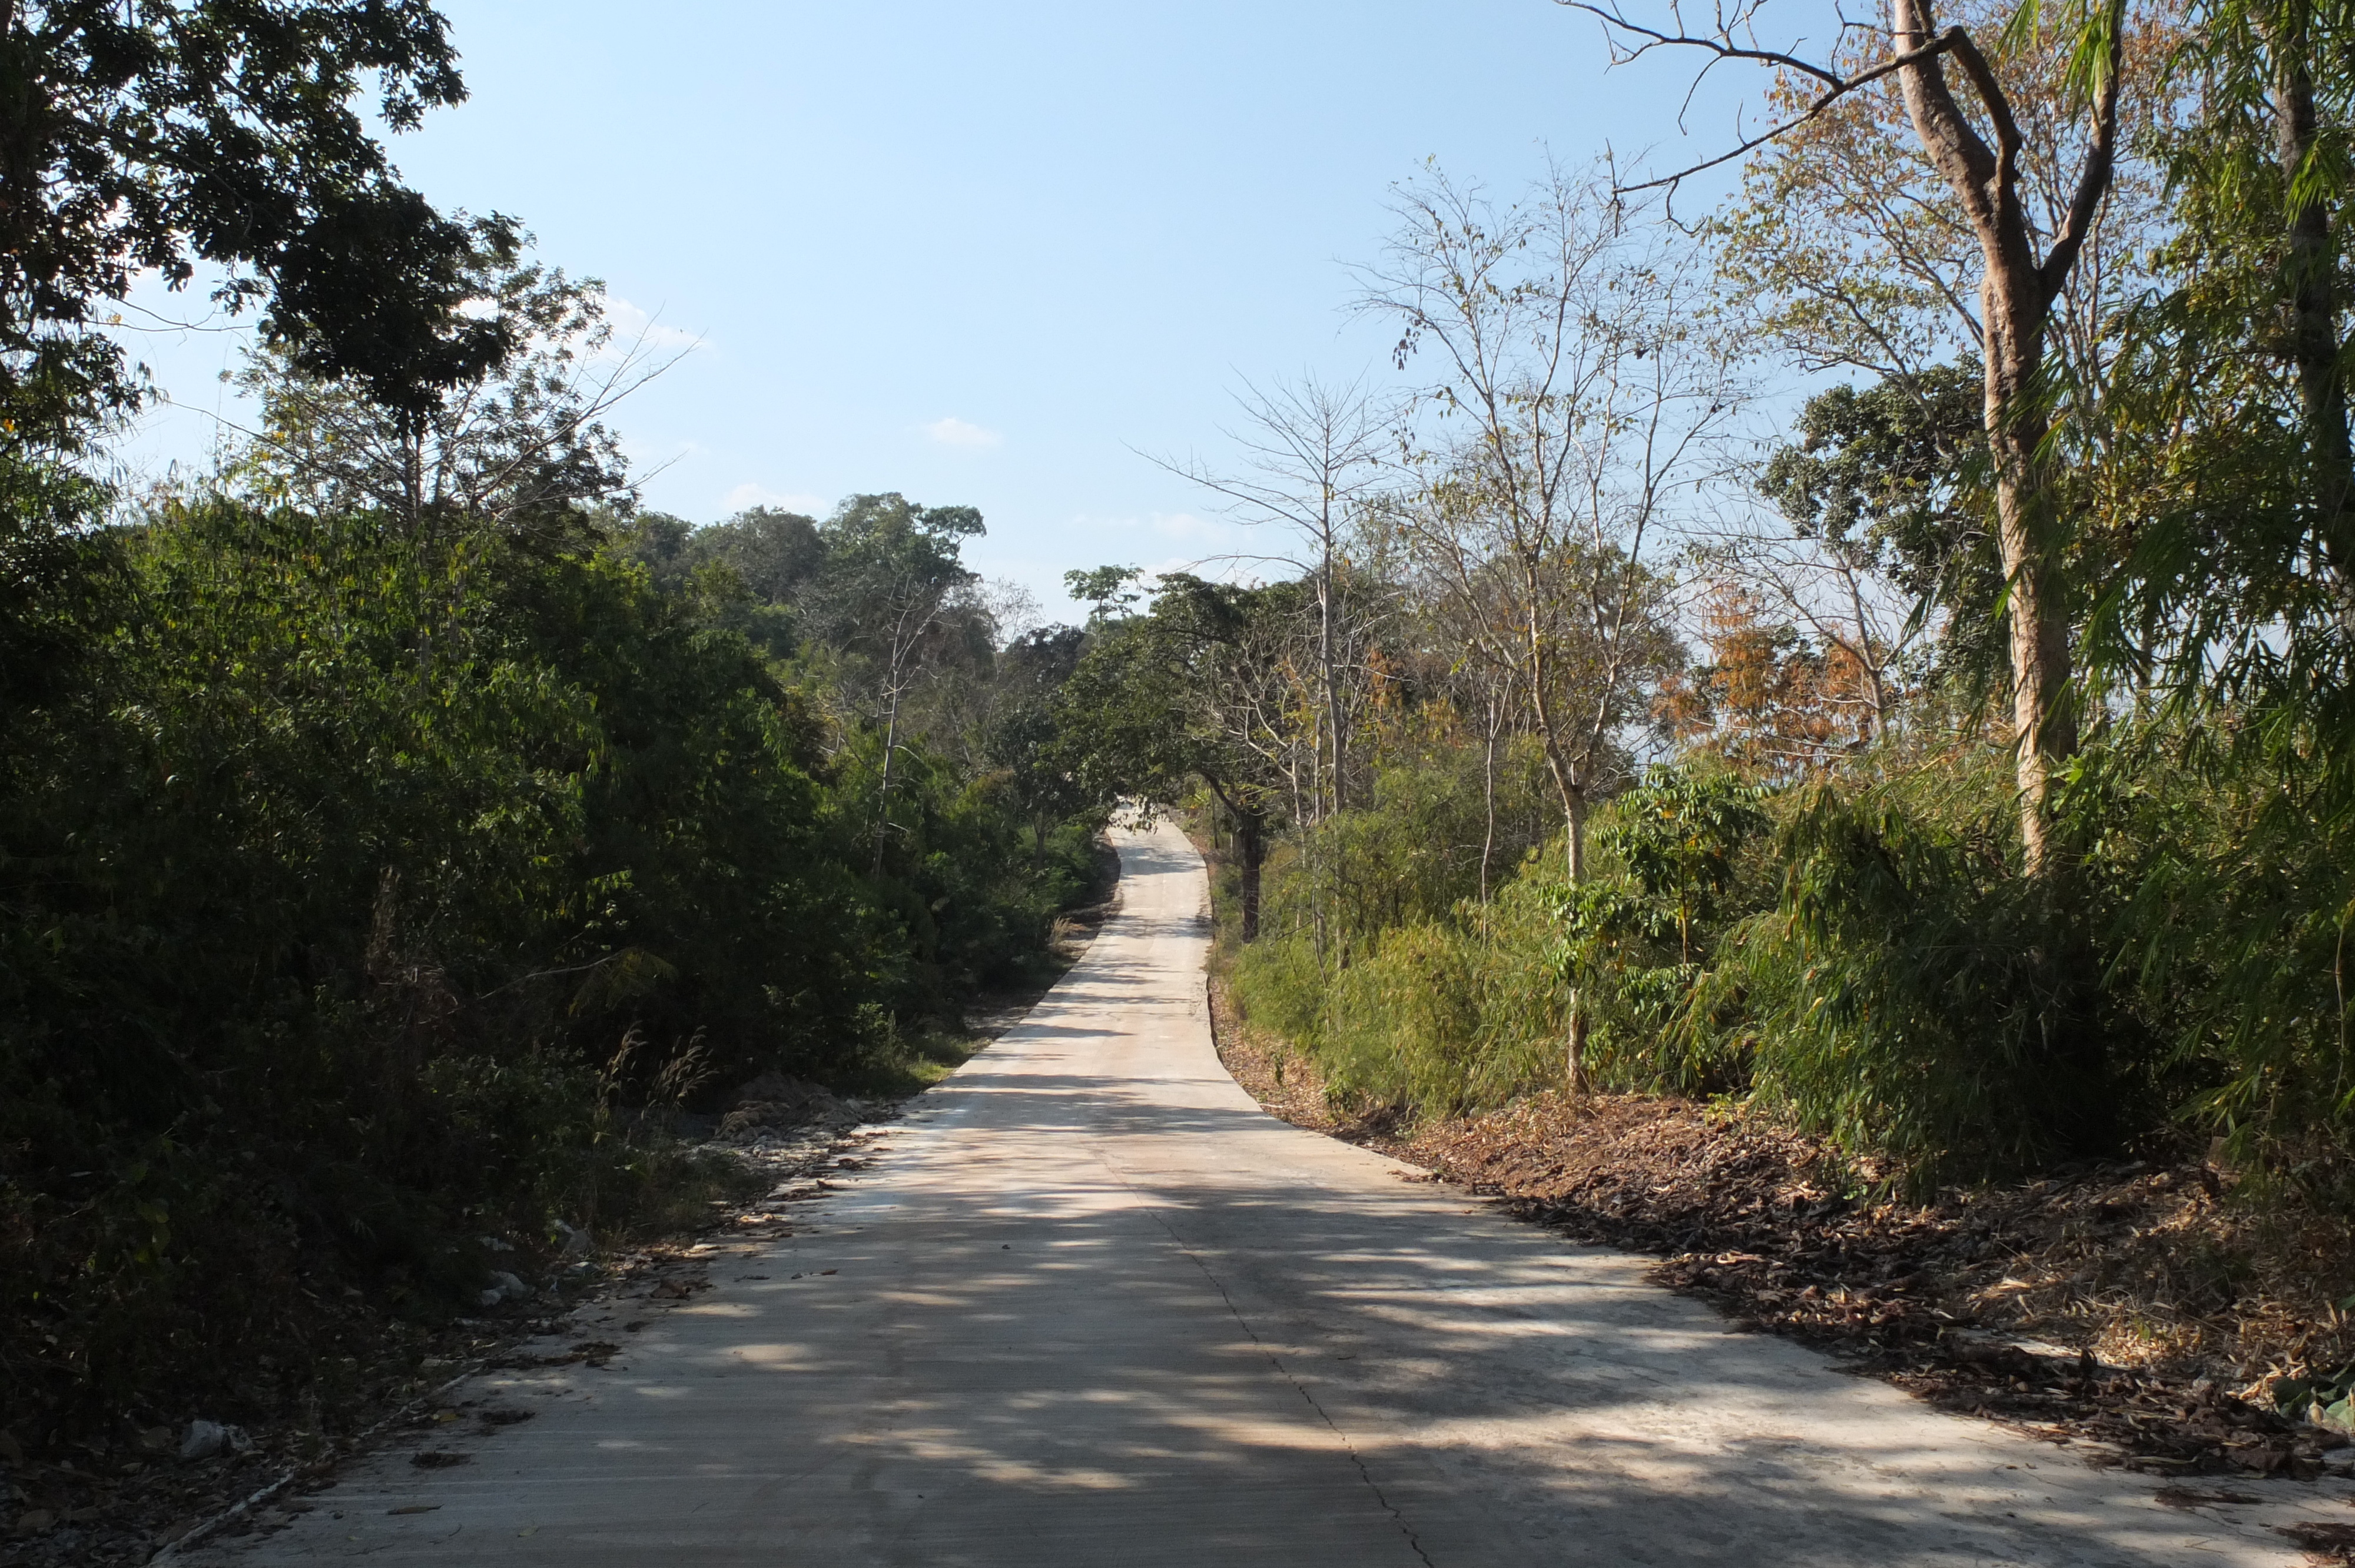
<point x="1720" y="46"/>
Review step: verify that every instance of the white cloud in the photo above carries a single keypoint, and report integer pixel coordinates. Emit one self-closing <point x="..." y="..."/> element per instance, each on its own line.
<point x="955" y="432"/>
<point x="748" y="495"/>
<point x="661" y="454"/>
<point x="635" y="326"/>
<point x="1184" y="525"/>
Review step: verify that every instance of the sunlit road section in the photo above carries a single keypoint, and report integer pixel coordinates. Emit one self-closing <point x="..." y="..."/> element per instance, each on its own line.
<point x="1088" y="1305"/>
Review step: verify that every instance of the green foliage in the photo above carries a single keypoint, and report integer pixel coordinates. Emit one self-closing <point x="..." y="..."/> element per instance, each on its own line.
<point x="1890" y="475"/>
<point x="1110" y="590"/>
<point x="509" y="436"/>
<point x="1440" y="1017"/>
<point x="1637" y="939"/>
<point x="2227" y="896"/>
<point x="354" y="881"/>
<point x="1415" y="852"/>
<point x="1422" y="998"/>
<point x="1676" y="835"/>
<point x="1911" y="993"/>
<point x="1868" y="959"/>
<point x="1883" y="465"/>
<point x="2326" y="1399"/>
<point x="224" y="130"/>
<point x="395" y="834"/>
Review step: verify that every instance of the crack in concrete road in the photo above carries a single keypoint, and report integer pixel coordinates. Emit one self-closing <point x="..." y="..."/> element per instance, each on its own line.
<point x="1285" y="1373"/>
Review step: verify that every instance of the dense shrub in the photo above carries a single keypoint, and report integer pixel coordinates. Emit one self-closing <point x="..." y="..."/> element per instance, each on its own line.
<point x="1416" y="851"/>
<point x="357" y="883"/>
<point x="1911" y="993"/>
<point x="1862" y="954"/>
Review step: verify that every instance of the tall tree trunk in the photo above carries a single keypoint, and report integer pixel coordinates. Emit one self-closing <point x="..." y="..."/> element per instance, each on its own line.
<point x="1332" y="679"/>
<point x="1571" y="787"/>
<point x="2313" y="308"/>
<point x="2016" y="295"/>
<point x="1251" y="853"/>
<point x="1575" y="1065"/>
<point x="883" y="794"/>
<point x="1489" y="793"/>
<point x="2044" y="725"/>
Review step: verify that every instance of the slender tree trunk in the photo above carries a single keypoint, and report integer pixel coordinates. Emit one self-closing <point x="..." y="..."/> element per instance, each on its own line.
<point x="883" y="795"/>
<point x="1488" y="794"/>
<point x="1332" y="678"/>
<point x="1575" y="1065"/>
<point x="1572" y="789"/>
<point x="2314" y="309"/>
<point x="1251" y="853"/>
<point x="1876" y="683"/>
<point x="413" y="470"/>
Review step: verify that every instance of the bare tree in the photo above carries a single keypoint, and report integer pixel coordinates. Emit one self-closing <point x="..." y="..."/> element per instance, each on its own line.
<point x="1481" y="674"/>
<point x="1829" y="585"/>
<point x="2023" y="270"/>
<point x="1310" y="456"/>
<point x="1570" y="394"/>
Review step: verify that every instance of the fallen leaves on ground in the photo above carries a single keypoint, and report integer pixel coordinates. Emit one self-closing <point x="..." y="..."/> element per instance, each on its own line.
<point x="2132" y="1309"/>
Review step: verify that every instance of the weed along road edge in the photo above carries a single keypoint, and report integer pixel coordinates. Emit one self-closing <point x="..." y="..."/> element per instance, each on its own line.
<point x="1088" y="1304"/>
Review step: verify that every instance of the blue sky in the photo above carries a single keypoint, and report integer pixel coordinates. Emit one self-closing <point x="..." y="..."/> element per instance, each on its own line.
<point x="981" y="254"/>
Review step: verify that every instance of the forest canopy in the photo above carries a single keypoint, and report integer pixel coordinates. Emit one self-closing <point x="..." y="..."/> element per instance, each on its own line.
<point x="401" y="826"/>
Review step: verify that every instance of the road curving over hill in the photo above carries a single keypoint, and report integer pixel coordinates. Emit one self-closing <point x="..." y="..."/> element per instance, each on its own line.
<point x="1088" y="1305"/>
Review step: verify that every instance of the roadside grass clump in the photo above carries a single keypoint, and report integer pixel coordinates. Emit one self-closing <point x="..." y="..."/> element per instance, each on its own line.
<point x="1438" y="832"/>
<point x="1441" y="1016"/>
<point x="1445" y="1017"/>
<point x="1860" y="957"/>
<point x="1279" y="986"/>
<point x="2229" y="901"/>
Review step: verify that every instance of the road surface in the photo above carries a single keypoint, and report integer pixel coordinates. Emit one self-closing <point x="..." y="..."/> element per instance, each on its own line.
<point x="1089" y="1305"/>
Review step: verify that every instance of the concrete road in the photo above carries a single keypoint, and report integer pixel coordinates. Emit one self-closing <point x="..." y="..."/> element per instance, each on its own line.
<point x="1090" y="1305"/>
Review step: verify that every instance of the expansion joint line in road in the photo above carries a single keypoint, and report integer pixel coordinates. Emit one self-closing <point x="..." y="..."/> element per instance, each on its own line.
<point x="1276" y="1362"/>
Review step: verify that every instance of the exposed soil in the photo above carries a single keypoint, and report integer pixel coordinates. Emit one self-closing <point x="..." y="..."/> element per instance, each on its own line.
<point x="2134" y="1311"/>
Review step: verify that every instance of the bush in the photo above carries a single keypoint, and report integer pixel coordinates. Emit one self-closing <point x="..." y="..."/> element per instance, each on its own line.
<point x="352" y="881"/>
<point x="1415" y="852"/>
<point x="1913" y="994"/>
<point x="1441" y="1017"/>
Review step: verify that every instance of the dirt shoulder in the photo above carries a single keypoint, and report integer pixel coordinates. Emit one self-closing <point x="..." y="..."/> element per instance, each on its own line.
<point x="2132" y="1311"/>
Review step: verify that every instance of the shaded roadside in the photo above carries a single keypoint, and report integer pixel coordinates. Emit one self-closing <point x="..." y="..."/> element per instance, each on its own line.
<point x="2122" y="1310"/>
<point x="148" y="1492"/>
